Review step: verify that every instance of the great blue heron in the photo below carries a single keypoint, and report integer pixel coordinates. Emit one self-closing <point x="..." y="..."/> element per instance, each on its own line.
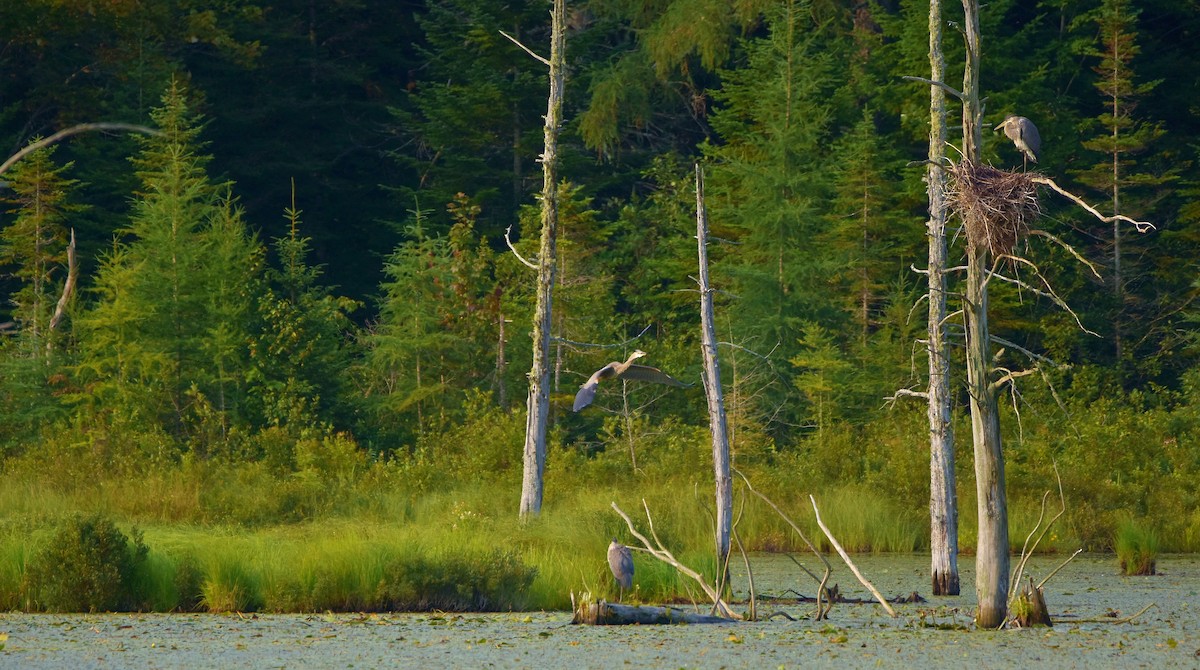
<point x="620" y="561"/>
<point x="1023" y="134"/>
<point x="626" y="370"/>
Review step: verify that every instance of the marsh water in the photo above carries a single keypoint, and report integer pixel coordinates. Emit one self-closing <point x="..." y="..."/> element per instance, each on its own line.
<point x="1085" y="599"/>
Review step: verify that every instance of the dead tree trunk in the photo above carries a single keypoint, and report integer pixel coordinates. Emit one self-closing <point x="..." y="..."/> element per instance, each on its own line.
<point x="610" y="614"/>
<point x="943" y="498"/>
<point x="712" y="385"/>
<point x="539" y="375"/>
<point x="991" y="554"/>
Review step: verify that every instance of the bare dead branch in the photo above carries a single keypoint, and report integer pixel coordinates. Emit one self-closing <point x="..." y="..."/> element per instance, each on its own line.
<point x="942" y="85"/>
<point x="73" y="130"/>
<point x="664" y="555"/>
<point x="1049" y="292"/>
<point x="1070" y="249"/>
<point x="846" y="557"/>
<point x="515" y="252"/>
<point x="529" y="51"/>
<point x="1125" y="620"/>
<point x="1060" y="567"/>
<point x="1027" y="551"/>
<point x="60" y="310"/>
<point x="1141" y="226"/>
<point x="593" y="345"/>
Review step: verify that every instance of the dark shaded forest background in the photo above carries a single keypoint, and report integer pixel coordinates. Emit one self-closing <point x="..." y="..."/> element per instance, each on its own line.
<point x="307" y="270"/>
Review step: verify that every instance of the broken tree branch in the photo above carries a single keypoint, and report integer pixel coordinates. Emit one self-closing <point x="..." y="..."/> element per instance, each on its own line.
<point x="529" y="51"/>
<point x="73" y="130"/>
<point x="664" y="555"/>
<point x="515" y="252"/>
<point x="60" y="310"/>
<point x="1141" y="226"/>
<point x="940" y="84"/>
<point x="846" y="557"/>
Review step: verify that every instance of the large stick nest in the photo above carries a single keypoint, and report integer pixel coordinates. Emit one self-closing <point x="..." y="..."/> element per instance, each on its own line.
<point x="995" y="206"/>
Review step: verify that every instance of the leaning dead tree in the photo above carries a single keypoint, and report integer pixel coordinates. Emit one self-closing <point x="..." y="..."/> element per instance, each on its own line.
<point x="712" y="384"/>
<point x="539" y="375"/>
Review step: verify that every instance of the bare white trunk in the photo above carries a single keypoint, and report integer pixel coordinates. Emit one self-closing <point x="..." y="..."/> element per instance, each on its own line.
<point x="712" y="385"/>
<point x="943" y="498"/>
<point x="538" y="405"/>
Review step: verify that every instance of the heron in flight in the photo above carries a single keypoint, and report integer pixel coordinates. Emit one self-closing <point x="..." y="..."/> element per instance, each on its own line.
<point x="1023" y="134"/>
<point x="620" y="561"/>
<point x="619" y="370"/>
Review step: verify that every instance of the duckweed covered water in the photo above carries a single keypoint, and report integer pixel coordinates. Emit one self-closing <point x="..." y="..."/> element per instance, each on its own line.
<point x="934" y="634"/>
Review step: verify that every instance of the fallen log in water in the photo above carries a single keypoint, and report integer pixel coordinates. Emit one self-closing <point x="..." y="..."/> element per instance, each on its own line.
<point x="603" y="613"/>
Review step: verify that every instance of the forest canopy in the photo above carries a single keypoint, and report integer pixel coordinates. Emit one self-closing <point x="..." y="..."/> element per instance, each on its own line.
<point x="307" y="266"/>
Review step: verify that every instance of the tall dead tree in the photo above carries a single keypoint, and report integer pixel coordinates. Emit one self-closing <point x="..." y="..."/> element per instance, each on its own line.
<point x="943" y="498"/>
<point x="991" y="552"/>
<point x="712" y="385"/>
<point x="539" y="375"/>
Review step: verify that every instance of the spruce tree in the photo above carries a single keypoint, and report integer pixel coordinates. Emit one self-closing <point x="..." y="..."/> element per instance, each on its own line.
<point x="1123" y="135"/>
<point x="171" y="324"/>
<point x="301" y="353"/>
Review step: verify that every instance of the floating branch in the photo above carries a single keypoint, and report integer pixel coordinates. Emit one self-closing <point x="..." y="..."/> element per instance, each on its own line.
<point x="664" y="555"/>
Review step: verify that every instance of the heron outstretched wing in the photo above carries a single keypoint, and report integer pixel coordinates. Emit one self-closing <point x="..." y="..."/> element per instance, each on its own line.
<point x="645" y="373"/>
<point x="586" y="394"/>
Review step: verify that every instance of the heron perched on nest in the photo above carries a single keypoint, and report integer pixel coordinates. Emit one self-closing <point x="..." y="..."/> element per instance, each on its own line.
<point x="619" y="370"/>
<point x="620" y="561"/>
<point x="1024" y="135"/>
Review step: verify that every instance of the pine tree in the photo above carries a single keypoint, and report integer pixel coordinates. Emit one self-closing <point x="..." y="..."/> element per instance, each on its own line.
<point x="171" y="325"/>
<point x="33" y="252"/>
<point x="769" y="184"/>
<point x="1123" y="136"/>
<point x="33" y="247"/>
<point x="301" y="353"/>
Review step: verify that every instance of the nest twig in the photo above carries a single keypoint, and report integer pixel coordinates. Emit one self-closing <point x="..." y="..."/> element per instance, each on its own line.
<point x="995" y="206"/>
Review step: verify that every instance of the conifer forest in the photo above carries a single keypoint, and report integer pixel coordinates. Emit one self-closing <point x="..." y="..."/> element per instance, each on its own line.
<point x="294" y="286"/>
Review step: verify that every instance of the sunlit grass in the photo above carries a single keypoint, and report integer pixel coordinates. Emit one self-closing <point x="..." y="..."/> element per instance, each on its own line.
<point x="1137" y="548"/>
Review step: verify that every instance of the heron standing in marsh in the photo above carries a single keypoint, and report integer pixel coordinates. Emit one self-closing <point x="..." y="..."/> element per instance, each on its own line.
<point x="1024" y="135"/>
<point x="619" y="370"/>
<point x="620" y="561"/>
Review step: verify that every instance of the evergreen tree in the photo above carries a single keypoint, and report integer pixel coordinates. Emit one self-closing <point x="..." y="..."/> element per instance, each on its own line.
<point x="1123" y="137"/>
<point x="33" y="247"/>
<point x="770" y="182"/>
<point x="33" y="252"/>
<point x="411" y="352"/>
<point x="172" y="321"/>
<point x="300" y="356"/>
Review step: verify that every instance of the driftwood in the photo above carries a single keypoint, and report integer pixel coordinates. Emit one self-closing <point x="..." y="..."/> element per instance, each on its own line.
<point x="603" y="613"/>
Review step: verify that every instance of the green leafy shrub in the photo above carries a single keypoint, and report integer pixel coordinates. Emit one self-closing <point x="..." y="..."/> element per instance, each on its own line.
<point x="88" y="565"/>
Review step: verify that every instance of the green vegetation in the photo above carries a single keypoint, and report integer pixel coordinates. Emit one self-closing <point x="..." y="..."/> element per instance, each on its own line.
<point x="323" y="410"/>
<point x="1137" y="548"/>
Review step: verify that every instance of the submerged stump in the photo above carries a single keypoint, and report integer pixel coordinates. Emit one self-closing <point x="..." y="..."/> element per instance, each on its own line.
<point x="603" y="613"/>
<point x="1029" y="609"/>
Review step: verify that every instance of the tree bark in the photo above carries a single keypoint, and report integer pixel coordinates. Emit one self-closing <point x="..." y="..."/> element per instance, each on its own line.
<point x="712" y="385"/>
<point x="610" y="614"/>
<point x="539" y="375"/>
<point x="991" y="553"/>
<point x="943" y="498"/>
